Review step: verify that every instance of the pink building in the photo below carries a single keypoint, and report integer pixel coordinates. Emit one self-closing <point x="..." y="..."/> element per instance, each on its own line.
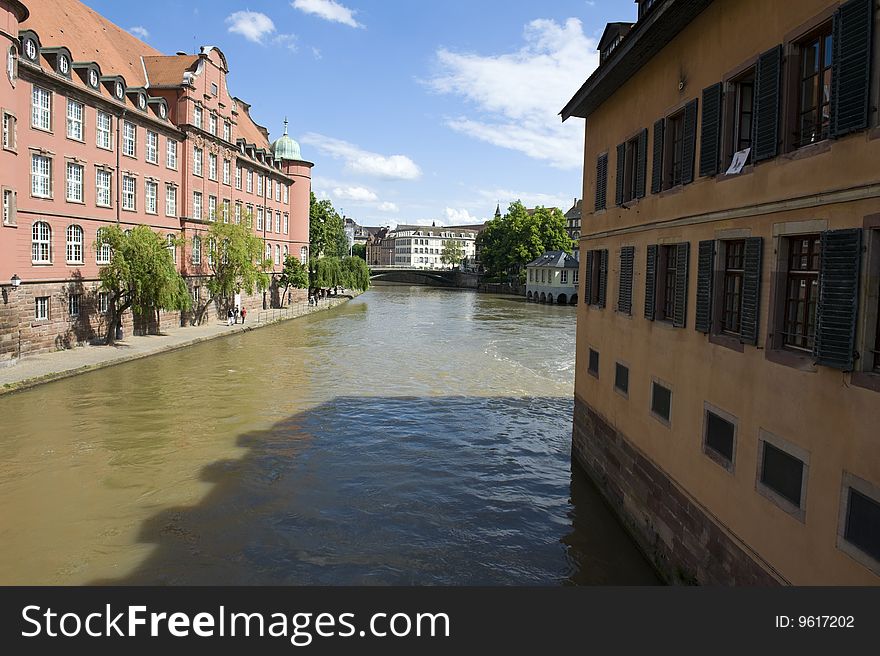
<point x="100" y="128"/>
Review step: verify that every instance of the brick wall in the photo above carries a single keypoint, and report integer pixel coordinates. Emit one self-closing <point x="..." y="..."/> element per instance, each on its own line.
<point x="680" y="537"/>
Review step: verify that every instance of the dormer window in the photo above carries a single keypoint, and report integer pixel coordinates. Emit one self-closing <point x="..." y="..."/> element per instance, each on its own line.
<point x="119" y="91"/>
<point x="645" y="6"/>
<point x="162" y="111"/>
<point x="93" y="78"/>
<point x="63" y="65"/>
<point x="30" y="49"/>
<point x="142" y="102"/>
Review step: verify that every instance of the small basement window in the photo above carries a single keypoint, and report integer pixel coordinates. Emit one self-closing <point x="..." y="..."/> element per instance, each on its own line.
<point x="661" y="402"/>
<point x="593" y="365"/>
<point x="621" y="378"/>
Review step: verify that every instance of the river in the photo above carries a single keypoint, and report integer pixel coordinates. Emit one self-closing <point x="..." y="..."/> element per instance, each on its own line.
<point x="412" y="436"/>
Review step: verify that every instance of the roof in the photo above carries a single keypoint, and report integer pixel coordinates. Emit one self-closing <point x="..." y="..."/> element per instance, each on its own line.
<point x="168" y="70"/>
<point x="249" y="130"/>
<point x="90" y="37"/>
<point x="648" y="37"/>
<point x="428" y="231"/>
<point x="556" y="260"/>
<point x="575" y="211"/>
<point x="612" y="31"/>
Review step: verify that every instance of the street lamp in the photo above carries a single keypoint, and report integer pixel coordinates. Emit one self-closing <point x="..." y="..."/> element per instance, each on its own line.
<point x="15" y="281"/>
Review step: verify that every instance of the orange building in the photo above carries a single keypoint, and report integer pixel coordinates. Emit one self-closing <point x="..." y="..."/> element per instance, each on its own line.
<point x="99" y="128"/>
<point x="727" y="394"/>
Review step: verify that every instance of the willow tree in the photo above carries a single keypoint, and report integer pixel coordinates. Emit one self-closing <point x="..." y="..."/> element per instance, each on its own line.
<point x="140" y="276"/>
<point x="356" y="274"/>
<point x="295" y="274"/>
<point x="236" y="263"/>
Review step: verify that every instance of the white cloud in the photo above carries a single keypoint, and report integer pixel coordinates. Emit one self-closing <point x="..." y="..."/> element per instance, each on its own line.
<point x="505" y="197"/>
<point x="518" y="95"/>
<point x="356" y="194"/>
<point x="140" y="32"/>
<point x="357" y="160"/>
<point x="289" y="41"/>
<point x="252" y="25"/>
<point x="387" y="207"/>
<point x="328" y="10"/>
<point x="460" y="217"/>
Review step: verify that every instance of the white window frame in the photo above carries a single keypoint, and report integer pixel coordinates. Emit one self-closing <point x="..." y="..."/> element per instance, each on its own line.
<point x="170" y="200"/>
<point x="41" y="109"/>
<point x="226" y="165"/>
<point x="129" y="139"/>
<point x="212" y="166"/>
<point x="238" y="178"/>
<point x="197" y="116"/>
<point x="103" y="191"/>
<point x="74" y="187"/>
<point x="151" y="151"/>
<point x="197" y="205"/>
<point x="286" y="223"/>
<point x="196" y="255"/>
<point x="212" y="208"/>
<point x="41" y="176"/>
<point x="286" y="194"/>
<point x="227" y="131"/>
<point x="41" y="243"/>
<point x="198" y="161"/>
<point x="212" y="123"/>
<point x="250" y="181"/>
<point x="151" y="197"/>
<point x="304" y="255"/>
<point x="171" y="154"/>
<point x="104" y="133"/>
<point x="41" y="308"/>
<point x="10" y="136"/>
<point x="73" y="305"/>
<point x="103" y="253"/>
<point x="237" y="213"/>
<point x="75" y="239"/>
<point x="76" y="115"/>
<point x="129" y="193"/>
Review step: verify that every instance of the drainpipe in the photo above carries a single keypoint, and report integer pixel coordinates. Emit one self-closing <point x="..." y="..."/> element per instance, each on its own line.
<point x="119" y="120"/>
<point x="265" y="212"/>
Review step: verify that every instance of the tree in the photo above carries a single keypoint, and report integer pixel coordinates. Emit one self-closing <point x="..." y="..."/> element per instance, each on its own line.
<point x="326" y="229"/>
<point x="346" y="272"/>
<point x="236" y="261"/>
<point x="453" y="252"/>
<point x="356" y="274"/>
<point x="359" y="250"/>
<point x="141" y="274"/>
<point x="510" y="242"/>
<point x="295" y="274"/>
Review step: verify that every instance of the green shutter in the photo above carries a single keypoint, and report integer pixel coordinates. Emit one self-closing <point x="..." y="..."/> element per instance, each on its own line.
<point x="689" y="143"/>
<point x="642" y="164"/>
<point x="625" y="289"/>
<point x="588" y="278"/>
<point x="682" y="257"/>
<point x="751" y="292"/>
<point x="705" y="277"/>
<point x="710" y="131"/>
<point x="765" y="121"/>
<point x="657" y="164"/>
<point x="851" y="67"/>
<point x="601" y="182"/>
<point x="651" y="282"/>
<point x="838" y="298"/>
<point x="603" y="277"/>
<point x="621" y="158"/>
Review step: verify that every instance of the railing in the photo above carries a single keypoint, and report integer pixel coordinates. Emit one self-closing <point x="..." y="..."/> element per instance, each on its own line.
<point x="297" y="309"/>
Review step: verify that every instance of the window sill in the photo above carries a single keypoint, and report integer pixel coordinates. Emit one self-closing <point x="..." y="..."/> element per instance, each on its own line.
<point x="129" y="209"/>
<point x="76" y="263"/>
<point x="130" y="156"/>
<point x="12" y="149"/>
<point x="868" y="380"/>
<point x="795" y="360"/>
<point x="76" y="202"/>
<point x="41" y="264"/>
<point x="594" y="374"/>
<point x="39" y="129"/>
<point x="798" y="513"/>
<point x="718" y="459"/>
<point x="810" y="150"/>
<point x="42" y="197"/>
<point x="666" y="422"/>
<point x="727" y="341"/>
<point x="104" y="207"/>
<point x="109" y="149"/>
<point x="156" y="163"/>
<point x="747" y="170"/>
<point x="75" y="140"/>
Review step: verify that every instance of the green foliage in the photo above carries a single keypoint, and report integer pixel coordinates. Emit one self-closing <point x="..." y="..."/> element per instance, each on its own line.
<point x="510" y="242"/>
<point x="141" y="274"/>
<point x="453" y="252"/>
<point x="356" y="273"/>
<point x="346" y="272"/>
<point x="326" y="229"/>
<point x="359" y="250"/>
<point x="236" y="260"/>
<point x="294" y="274"/>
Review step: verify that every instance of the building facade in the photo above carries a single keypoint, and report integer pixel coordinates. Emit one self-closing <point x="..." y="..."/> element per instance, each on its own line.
<point x="727" y="392"/>
<point x="380" y="247"/>
<point x="553" y="278"/>
<point x="573" y="220"/>
<point x="421" y="247"/>
<point x="101" y="129"/>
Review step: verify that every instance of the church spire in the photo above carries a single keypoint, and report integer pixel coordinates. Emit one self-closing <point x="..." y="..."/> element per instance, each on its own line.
<point x="498" y="211"/>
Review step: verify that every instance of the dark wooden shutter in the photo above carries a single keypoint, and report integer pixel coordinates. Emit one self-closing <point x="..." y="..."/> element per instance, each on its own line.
<point x="710" y="132"/>
<point x="625" y="290"/>
<point x="705" y="277"/>
<point x="682" y="256"/>
<point x="603" y="277"/>
<point x="841" y="253"/>
<point x="642" y="164"/>
<point x="588" y="279"/>
<point x="851" y="68"/>
<point x="651" y="282"/>
<point x="689" y="143"/>
<point x="765" y="122"/>
<point x="621" y="159"/>
<point x="657" y="164"/>
<point x="751" y="292"/>
<point x="601" y="182"/>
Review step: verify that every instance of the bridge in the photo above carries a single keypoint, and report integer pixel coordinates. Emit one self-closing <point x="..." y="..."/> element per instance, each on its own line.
<point x="412" y="276"/>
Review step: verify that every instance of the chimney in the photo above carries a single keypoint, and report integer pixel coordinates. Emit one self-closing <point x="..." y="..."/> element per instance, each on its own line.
<point x="180" y="53"/>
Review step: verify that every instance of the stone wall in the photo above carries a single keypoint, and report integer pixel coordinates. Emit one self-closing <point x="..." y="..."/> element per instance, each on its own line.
<point x="686" y="545"/>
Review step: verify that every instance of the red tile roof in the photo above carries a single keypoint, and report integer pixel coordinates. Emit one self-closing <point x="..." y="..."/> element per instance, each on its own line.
<point x="167" y="71"/>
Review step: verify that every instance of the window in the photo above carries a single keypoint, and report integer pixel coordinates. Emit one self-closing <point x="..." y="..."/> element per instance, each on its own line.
<point x="743" y="93"/>
<point x="249" y="211"/>
<point x="278" y="222"/>
<point x="304" y="255"/>
<point x="286" y="253"/>
<point x="597" y="278"/>
<point x="226" y="171"/>
<point x="277" y="254"/>
<point x="74" y="244"/>
<point x="212" y="208"/>
<point x="197" y="160"/>
<point x="225" y="211"/>
<point x="129" y="193"/>
<point x="41" y="112"/>
<point x="877" y="339"/>
<point x="259" y="185"/>
<point x="563" y="277"/>
<point x="197" y="205"/>
<point x="75" y="113"/>
<point x="667" y="288"/>
<point x="103" y="252"/>
<point x="103" y="183"/>
<point x="196" y="294"/>
<point x="197" y="250"/>
<point x="286" y="196"/>
<point x="73" y="302"/>
<point x="103" y="125"/>
<point x="170" y="200"/>
<point x="860" y="521"/>
<point x="661" y="402"/>
<point x="9" y="208"/>
<point x="801" y="292"/>
<point x="129" y="139"/>
<point x="250" y="182"/>
<point x="259" y="219"/>
<point x="171" y="154"/>
<point x="212" y="166"/>
<point x="214" y="89"/>
<point x="227" y="131"/>
<point x="74" y="182"/>
<point x="666" y="283"/>
<point x="197" y="116"/>
<point x="621" y="378"/>
<point x="719" y="435"/>
<point x="103" y="302"/>
<point x="631" y="167"/>
<point x="674" y="151"/>
<point x="172" y="247"/>
<point x="782" y="473"/>
<point x="152" y="152"/>
<point x="41" y="308"/>
<point x="238" y="177"/>
<point x="212" y="123"/>
<point x="814" y="92"/>
<point x="732" y="291"/>
<point x="269" y="252"/>
<point x="151" y="197"/>
<point x="593" y="363"/>
<point x="9" y="131"/>
<point x="41" y="176"/>
<point x="286" y="223"/>
<point x="41" y="243"/>
<point x="237" y="213"/>
<point x="277" y="192"/>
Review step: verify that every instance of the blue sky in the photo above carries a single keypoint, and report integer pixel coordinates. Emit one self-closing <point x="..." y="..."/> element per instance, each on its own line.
<point x="412" y="110"/>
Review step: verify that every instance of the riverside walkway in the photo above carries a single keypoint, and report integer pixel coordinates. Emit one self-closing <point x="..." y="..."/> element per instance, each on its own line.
<point x="45" y="367"/>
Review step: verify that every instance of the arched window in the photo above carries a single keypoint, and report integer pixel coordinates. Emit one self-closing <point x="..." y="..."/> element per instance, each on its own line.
<point x="277" y="254"/>
<point x="74" y="244"/>
<point x="103" y="250"/>
<point x="197" y="250"/>
<point x="41" y="251"/>
<point x="304" y="255"/>
<point x="268" y="251"/>
<point x="286" y="252"/>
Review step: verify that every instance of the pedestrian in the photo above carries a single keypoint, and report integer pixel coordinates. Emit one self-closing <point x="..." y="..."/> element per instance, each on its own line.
<point x="243" y="315"/>
<point x="229" y="317"/>
<point x="237" y="313"/>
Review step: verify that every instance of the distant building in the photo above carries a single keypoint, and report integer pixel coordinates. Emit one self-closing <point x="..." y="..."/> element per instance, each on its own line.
<point x="573" y="220"/>
<point x="357" y="234"/>
<point x="421" y="247"/>
<point x="380" y="247"/>
<point x="553" y="278"/>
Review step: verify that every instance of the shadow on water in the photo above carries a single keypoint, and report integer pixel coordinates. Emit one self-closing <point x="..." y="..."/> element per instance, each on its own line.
<point x="406" y="491"/>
